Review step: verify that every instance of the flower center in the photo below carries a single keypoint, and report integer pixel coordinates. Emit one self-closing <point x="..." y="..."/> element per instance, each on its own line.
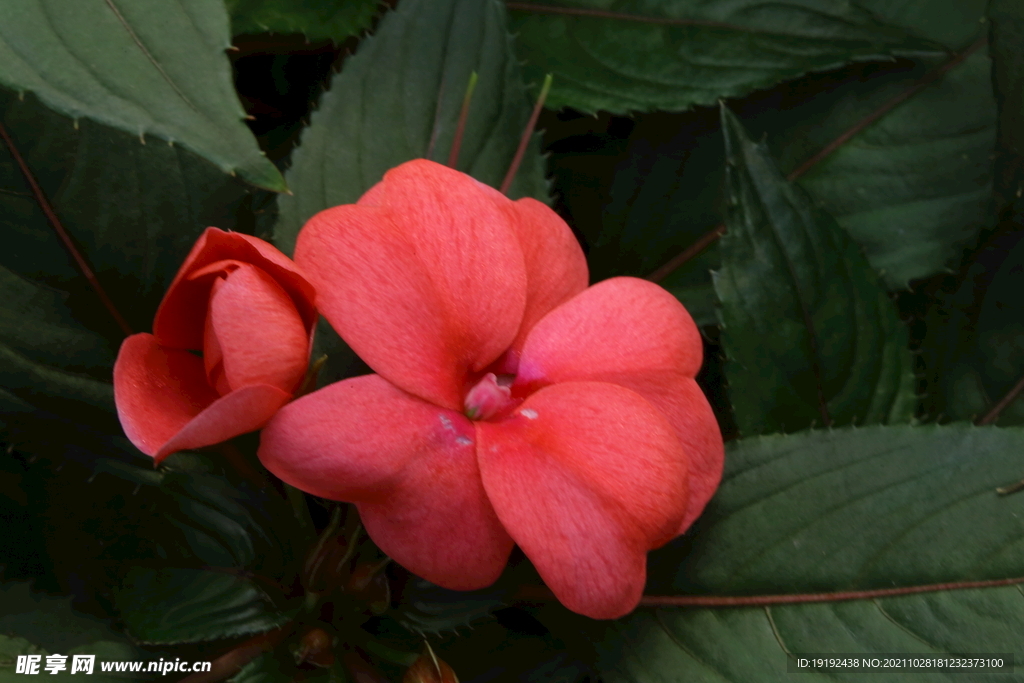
<point x="490" y="396"/>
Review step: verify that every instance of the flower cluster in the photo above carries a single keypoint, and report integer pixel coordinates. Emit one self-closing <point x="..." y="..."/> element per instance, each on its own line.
<point x="511" y="405"/>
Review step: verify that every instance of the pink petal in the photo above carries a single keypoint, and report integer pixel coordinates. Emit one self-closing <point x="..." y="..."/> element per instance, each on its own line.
<point x="409" y="466"/>
<point x="242" y="411"/>
<point x="681" y="400"/>
<point x="586" y="477"/>
<point x="157" y="391"/>
<point x="165" y="403"/>
<point x="180" y="319"/>
<point x="556" y="269"/>
<point x="622" y="325"/>
<point x="259" y="333"/>
<point x="635" y="334"/>
<point x="426" y="287"/>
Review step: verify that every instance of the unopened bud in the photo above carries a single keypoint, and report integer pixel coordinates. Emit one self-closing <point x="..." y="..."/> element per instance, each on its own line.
<point x="430" y="669"/>
<point x="316" y="648"/>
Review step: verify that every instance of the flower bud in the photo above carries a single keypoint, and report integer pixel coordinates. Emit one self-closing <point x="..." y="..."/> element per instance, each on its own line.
<point x="430" y="669"/>
<point x="316" y="648"/>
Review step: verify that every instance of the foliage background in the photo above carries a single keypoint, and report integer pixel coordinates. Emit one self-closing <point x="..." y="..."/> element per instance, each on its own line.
<point x="858" y="198"/>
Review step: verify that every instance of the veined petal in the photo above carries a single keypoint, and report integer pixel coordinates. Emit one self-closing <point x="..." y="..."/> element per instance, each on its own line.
<point x="586" y="477"/>
<point x="260" y="335"/>
<point x="180" y="320"/>
<point x="408" y="465"/>
<point x="427" y="285"/>
<point x="165" y="403"/>
<point x="681" y="400"/>
<point x="624" y="325"/>
<point x="556" y="269"/>
<point x="158" y="391"/>
<point x="635" y="334"/>
<point x="240" y="412"/>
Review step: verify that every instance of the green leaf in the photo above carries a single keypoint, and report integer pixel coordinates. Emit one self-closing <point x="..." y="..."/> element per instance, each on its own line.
<point x="315" y="19"/>
<point x="222" y="524"/>
<point x="264" y="669"/>
<point x="915" y="186"/>
<point x="35" y="623"/>
<point x="809" y="333"/>
<point x="49" y="359"/>
<point x="627" y="56"/>
<point x="133" y="210"/>
<point x="427" y="608"/>
<point x="921" y="499"/>
<point x="398" y="98"/>
<point x="664" y="196"/>
<point x="869" y="508"/>
<point x="752" y="644"/>
<point x="951" y="23"/>
<point x="987" y="359"/>
<point x="216" y="524"/>
<point x="1008" y="70"/>
<point x="911" y="188"/>
<point x="192" y="605"/>
<point x="141" y="66"/>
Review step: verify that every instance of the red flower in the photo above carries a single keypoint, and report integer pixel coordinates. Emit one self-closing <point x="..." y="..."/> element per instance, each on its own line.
<point x="512" y="404"/>
<point x="250" y="311"/>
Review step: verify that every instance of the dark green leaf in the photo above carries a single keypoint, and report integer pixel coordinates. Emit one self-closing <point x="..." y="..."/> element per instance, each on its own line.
<point x="315" y="19"/>
<point x="663" y="197"/>
<point x="628" y="56"/>
<point x="216" y="527"/>
<point x="921" y="500"/>
<point x="398" y="98"/>
<point x="35" y="623"/>
<point x="134" y="210"/>
<point x="912" y="188"/>
<point x="1008" y="61"/>
<point x="48" y="357"/>
<point x="264" y="669"/>
<point x="141" y="66"/>
<point x="810" y="333"/>
<point x="427" y="608"/>
<point x="987" y="358"/>
<point x="193" y="605"/>
<point x="850" y="509"/>
<point x="739" y="645"/>
<point x="915" y="186"/>
<point x="951" y="23"/>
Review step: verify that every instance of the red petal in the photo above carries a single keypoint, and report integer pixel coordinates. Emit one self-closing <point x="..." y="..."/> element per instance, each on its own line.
<point x="586" y="477"/>
<point x="239" y="412"/>
<point x="181" y="317"/>
<point x="680" y="399"/>
<point x="426" y="287"/>
<point x="259" y="333"/>
<point x="410" y="467"/>
<point x="556" y="269"/>
<point x="622" y="325"/>
<point x="165" y="403"/>
<point x="157" y="391"/>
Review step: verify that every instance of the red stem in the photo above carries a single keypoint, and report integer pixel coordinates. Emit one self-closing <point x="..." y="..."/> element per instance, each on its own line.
<point x="993" y="414"/>
<point x="527" y="134"/>
<point x="51" y="216"/>
<point x="542" y="593"/>
<point x="453" y="155"/>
